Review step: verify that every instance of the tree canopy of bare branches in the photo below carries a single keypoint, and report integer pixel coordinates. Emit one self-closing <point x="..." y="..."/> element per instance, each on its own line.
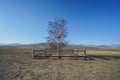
<point x="57" y="33"/>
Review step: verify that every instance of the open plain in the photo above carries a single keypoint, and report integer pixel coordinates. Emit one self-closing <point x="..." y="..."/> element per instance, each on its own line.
<point x="17" y="64"/>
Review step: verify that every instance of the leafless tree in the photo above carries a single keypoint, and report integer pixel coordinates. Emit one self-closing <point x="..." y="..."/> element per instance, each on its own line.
<point x="57" y="33"/>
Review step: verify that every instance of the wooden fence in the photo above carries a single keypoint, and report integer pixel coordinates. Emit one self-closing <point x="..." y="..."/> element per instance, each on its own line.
<point x="48" y="53"/>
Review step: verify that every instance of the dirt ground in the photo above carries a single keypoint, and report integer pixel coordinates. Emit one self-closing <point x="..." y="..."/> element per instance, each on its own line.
<point x="23" y="67"/>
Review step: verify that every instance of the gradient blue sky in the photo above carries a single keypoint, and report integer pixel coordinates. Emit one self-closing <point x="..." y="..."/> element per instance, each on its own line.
<point x="89" y="21"/>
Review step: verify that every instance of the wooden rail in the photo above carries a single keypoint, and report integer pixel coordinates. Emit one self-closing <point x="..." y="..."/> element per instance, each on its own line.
<point x="45" y="53"/>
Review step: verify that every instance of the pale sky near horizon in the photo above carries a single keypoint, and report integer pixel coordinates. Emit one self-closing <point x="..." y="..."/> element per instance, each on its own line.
<point x="89" y="21"/>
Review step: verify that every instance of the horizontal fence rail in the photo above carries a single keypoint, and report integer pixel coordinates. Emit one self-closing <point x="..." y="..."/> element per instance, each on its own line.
<point x="47" y="53"/>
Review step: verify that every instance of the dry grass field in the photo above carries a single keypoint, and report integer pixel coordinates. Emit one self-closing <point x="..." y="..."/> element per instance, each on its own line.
<point x="17" y="64"/>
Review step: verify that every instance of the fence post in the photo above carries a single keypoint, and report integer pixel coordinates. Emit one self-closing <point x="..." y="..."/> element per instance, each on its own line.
<point x="33" y="52"/>
<point x="85" y="54"/>
<point x="45" y="52"/>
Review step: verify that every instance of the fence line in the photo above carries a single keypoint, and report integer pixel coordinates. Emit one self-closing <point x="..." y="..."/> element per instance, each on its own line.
<point x="44" y="53"/>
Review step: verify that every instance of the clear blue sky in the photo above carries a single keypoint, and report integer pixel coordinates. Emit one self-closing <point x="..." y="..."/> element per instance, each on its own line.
<point x="89" y="21"/>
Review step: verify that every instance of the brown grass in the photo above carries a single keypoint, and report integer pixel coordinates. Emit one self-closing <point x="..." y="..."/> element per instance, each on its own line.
<point x="100" y="52"/>
<point x="18" y="65"/>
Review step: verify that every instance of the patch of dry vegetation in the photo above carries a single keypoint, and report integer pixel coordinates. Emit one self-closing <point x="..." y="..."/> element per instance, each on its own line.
<point x="20" y="66"/>
<point x="100" y="52"/>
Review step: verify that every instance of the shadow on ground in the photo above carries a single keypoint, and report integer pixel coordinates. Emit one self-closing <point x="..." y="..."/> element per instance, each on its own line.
<point x="105" y="57"/>
<point x="89" y="57"/>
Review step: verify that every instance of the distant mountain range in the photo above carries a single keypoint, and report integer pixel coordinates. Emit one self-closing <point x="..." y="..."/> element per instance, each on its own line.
<point x="117" y="45"/>
<point x="12" y="44"/>
<point x="70" y="46"/>
<point x="19" y="45"/>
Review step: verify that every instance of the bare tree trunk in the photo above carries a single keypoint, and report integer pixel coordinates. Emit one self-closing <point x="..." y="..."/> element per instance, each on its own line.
<point x="58" y="48"/>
